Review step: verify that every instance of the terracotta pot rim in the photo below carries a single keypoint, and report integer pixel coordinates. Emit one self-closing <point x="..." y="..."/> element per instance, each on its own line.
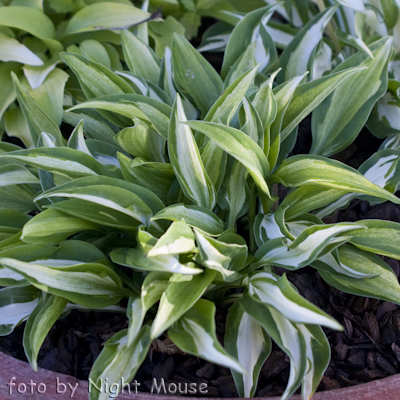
<point x="23" y="374"/>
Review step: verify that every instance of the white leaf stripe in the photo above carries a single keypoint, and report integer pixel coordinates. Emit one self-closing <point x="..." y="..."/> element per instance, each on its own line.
<point x="186" y="160"/>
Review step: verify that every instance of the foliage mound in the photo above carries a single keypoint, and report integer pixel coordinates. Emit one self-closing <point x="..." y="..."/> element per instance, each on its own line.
<point x="162" y="204"/>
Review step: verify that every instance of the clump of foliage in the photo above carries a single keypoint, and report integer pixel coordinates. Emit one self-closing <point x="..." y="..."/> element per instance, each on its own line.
<point x="165" y="192"/>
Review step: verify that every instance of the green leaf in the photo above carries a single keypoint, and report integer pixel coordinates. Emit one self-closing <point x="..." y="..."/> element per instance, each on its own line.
<point x="247" y="341"/>
<point x="286" y="335"/>
<point x="381" y="237"/>
<point x="277" y="292"/>
<point x="157" y="177"/>
<point x="52" y="227"/>
<point x="49" y="95"/>
<point x="385" y="286"/>
<point x="152" y="112"/>
<point x="384" y="118"/>
<point x="105" y="15"/>
<point x="298" y="57"/>
<point x="14" y="174"/>
<point x="308" y="96"/>
<point x="137" y="259"/>
<point x="93" y="126"/>
<point x="91" y="285"/>
<point x="12" y="50"/>
<point x="353" y="41"/>
<point x="140" y="58"/>
<point x="16" y="304"/>
<point x="194" y="333"/>
<point x="193" y="74"/>
<point x="225" y="258"/>
<point x="186" y="161"/>
<point x="239" y="146"/>
<point x="314" y="170"/>
<point x="11" y="222"/>
<point x="18" y="198"/>
<point x="141" y="141"/>
<point x="118" y="361"/>
<point x="108" y="197"/>
<point x="178" y="239"/>
<point x="7" y="95"/>
<point x="195" y="216"/>
<point x="318" y="354"/>
<point x="39" y="324"/>
<point x="37" y="119"/>
<point x="153" y="286"/>
<point x="33" y="21"/>
<point x="149" y="198"/>
<point x="246" y="31"/>
<point x="182" y="293"/>
<point x="352" y="102"/>
<point x="64" y="161"/>
<point x="304" y="249"/>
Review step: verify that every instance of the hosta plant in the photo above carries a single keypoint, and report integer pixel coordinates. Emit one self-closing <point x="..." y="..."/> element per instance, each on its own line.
<point x="162" y="203"/>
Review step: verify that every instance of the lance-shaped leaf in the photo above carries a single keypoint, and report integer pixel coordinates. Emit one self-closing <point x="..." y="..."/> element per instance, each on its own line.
<point x="266" y="228"/>
<point x="31" y="20"/>
<point x="246" y="31"/>
<point x="225" y="258"/>
<point x="195" y="216"/>
<point x="94" y="126"/>
<point x="304" y="249"/>
<point x="154" y="285"/>
<point x="239" y="146"/>
<point x="135" y="313"/>
<point x="331" y="263"/>
<point x="129" y="106"/>
<point x="52" y="227"/>
<point x="37" y="119"/>
<point x="381" y="237"/>
<point x="277" y="292"/>
<point x="108" y="197"/>
<point x="140" y="58"/>
<point x="283" y="95"/>
<point x="286" y="335"/>
<point x="352" y="102"/>
<point x="49" y="95"/>
<point x="139" y="260"/>
<point x="65" y="161"/>
<point x="141" y="141"/>
<point x="91" y="285"/>
<point x="194" y="74"/>
<point x="12" y="50"/>
<point x="385" y="286"/>
<point x="249" y="344"/>
<point x="118" y="362"/>
<point x="181" y="294"/>
<point x="194" y="333"/>
<point x="11" y="222"/>
<point x="149" y="198"/>
<point x="353" y="41"/>
<point x="298" y="57"/>
<point x="318" y="353"/>
<point x="154" y="176"/>
<point x="308" y="96"/>
<point x="385" y="116"/>
<point x="95" y="79"/>
<point x="234" y="193"/>
<point x="314" y="170"/>
<point x="14" y="174"/>
<point x="16" y="304"/>
<point x="186" y="161"/>
<point x="39" y="324"/>
<point x="179" y="239"/>
<point x="105" y="15"/>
